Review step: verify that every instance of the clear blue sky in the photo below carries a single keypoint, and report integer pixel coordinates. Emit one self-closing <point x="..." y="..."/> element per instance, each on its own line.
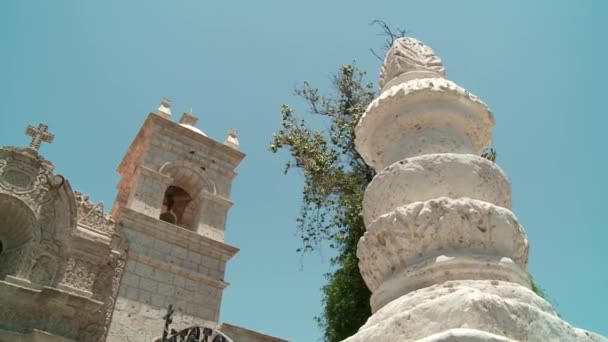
<point x="93" y="70"/>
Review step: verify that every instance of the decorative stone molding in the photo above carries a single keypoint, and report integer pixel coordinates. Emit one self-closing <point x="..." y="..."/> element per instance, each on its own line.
<point x="93" y="216"/>
<point x="26" y="175"/>
<point x="432" y="176"/>
<point x="177" y="270"/>
<point x="175" y="234"/>
<point x="79" y="276"/>
<point x="423" y="116"/>
<point x="470" y="310"/>
<point x="422" y="231"/>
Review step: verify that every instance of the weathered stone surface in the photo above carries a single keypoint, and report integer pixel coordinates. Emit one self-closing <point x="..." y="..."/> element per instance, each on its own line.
<point x="443" y="255"/>
<point x="432" y="176"/>
<point x="423" y="116"/>
<point x="473" y="310"/>
<point x="408" y="59"/>
<point x="428" y="242"/>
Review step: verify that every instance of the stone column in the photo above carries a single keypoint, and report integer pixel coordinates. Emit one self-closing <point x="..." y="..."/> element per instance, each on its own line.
<point x="443" y="255"/>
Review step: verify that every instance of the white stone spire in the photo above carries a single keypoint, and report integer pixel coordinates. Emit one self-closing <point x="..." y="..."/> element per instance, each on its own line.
<point x="164" y="110"/>
<point x="444" y="257"/>
<point x="232" y="140"/>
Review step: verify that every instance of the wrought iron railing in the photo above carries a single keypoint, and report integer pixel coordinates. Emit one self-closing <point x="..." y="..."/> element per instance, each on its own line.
<point x="195" y="333"/>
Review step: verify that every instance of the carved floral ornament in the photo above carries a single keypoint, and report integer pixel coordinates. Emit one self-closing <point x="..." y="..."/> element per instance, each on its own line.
<point x="26" y="176"/>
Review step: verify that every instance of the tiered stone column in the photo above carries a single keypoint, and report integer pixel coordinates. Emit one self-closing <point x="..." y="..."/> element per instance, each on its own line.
<point x="443" y="255"/>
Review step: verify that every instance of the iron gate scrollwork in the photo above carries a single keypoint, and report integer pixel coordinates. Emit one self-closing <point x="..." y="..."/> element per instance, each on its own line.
<point x="195" y="333"/>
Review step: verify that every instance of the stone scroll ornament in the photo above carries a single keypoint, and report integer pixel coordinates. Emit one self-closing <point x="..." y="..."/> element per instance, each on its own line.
<point x="443" y="255"/>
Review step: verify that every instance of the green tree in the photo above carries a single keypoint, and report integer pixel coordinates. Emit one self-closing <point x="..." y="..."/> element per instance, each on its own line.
<point x="335" y="177"/>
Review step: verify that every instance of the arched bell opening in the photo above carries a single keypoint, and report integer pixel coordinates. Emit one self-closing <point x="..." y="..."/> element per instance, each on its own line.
<point x="191" y="180"/>
<point x="175" y="202"/>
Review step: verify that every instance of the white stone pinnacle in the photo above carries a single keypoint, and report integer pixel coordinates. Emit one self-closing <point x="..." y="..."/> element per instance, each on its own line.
<point x="444" y="256"/>
<point x="164" y="110"/>
<point x="232" y="140"/>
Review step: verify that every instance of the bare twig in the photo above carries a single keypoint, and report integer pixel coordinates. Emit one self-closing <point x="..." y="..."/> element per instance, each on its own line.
<point x="390" y="35"/>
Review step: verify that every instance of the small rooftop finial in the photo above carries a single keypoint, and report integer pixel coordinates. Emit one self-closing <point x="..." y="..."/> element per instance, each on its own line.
<point x="39" y="135"/>
<point x="164" y="110"/>
<point x="188" y="118"/>
<point x="231" y="139"/>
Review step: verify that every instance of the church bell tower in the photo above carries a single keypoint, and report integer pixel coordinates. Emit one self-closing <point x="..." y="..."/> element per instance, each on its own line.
<point x="172" y="204"/>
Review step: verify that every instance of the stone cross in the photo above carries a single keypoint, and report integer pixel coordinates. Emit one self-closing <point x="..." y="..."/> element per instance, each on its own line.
<point x="39" y="135"/>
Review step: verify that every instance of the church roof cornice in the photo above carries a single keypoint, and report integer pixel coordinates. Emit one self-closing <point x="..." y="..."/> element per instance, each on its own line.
<point x="180" y="132"/>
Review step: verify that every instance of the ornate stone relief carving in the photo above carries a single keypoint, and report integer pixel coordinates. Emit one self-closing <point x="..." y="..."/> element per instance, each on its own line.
<point x="26" y="177"/>
<point x="108" y="281"/>
<point x="92" y="215"/>
<point x="79" y="274"/>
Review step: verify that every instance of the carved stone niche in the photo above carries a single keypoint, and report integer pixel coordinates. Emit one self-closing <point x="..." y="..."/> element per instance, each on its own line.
<point x="18" y="231"/>
<point x="43" y="270"/>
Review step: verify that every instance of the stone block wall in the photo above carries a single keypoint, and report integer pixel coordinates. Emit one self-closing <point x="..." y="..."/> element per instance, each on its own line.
<point x="167" y="265"/>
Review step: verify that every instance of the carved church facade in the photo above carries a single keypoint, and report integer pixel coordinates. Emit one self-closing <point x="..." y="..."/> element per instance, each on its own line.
<point x="71" y="272"/>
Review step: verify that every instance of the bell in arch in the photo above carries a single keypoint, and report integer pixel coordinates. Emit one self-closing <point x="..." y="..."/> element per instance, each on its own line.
<point x="174" y="204"/>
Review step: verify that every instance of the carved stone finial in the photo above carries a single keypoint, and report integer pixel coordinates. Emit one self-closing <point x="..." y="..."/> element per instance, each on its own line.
<point x="188" y="118"/>
<point x="409" y="59"/>
<point x="164" y="110"/>
<point x="232" y="140"/>
<point x="441" y="246"/>
<point x="39" y="135"/>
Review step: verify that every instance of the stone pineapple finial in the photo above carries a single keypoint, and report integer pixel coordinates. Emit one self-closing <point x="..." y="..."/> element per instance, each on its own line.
<point x="409" y="59"/>
<point x="164" y="110"/>
<point x="420" y="112"/>
<point x="232" y="140"/>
